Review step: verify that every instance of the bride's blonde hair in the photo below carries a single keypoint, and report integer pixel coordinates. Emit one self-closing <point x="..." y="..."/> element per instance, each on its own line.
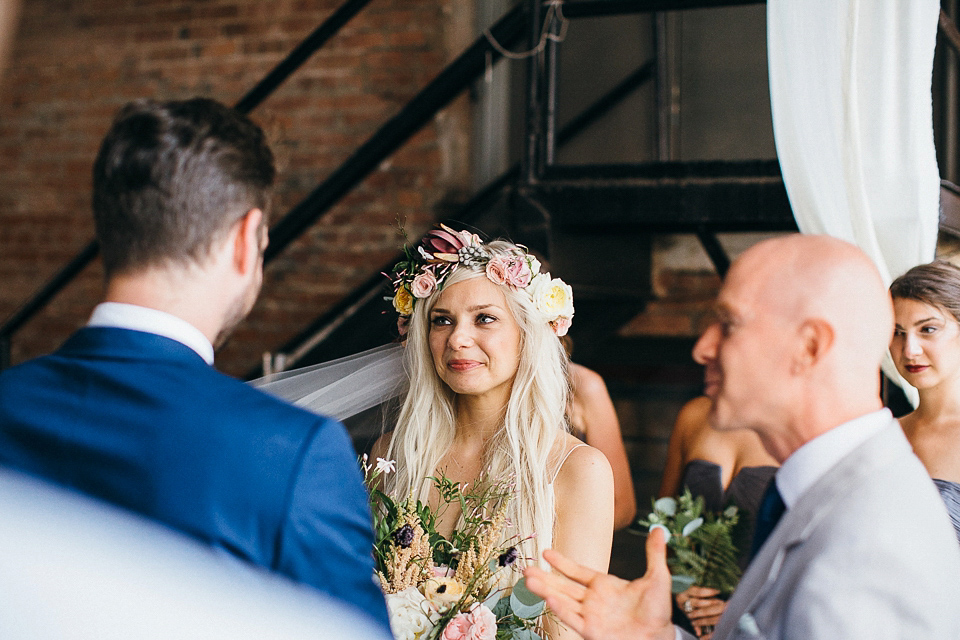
<point x="534" y="418"/>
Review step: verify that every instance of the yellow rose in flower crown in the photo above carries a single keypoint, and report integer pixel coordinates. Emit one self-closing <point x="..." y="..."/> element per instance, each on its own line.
<point x="552" y="296"/>
<point x="403" y="301"/>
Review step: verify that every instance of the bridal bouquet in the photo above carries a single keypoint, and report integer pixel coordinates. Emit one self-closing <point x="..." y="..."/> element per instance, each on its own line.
<point x="456" y="588"/>
<point x="702" y="543"/>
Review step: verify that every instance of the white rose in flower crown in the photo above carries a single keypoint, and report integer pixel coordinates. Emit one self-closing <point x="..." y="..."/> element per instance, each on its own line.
<point x="552" y="296"/>
<point x="533" y="262"/>
<point x="411" y="616"/>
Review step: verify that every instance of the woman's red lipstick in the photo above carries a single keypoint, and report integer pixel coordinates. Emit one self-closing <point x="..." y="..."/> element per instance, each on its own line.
<point x="462" y="365"/>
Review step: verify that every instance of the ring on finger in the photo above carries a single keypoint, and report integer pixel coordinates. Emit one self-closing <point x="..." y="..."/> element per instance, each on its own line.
<point x="688" y="606"/>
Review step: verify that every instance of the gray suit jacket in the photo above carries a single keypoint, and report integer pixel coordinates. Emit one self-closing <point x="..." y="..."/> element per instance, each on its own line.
<point x="867" y="552"/>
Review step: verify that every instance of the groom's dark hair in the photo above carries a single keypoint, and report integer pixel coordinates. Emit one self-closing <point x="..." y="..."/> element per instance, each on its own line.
<point x="173" y="177"/>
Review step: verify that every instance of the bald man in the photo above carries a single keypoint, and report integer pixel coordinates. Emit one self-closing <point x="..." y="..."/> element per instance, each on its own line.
<point x="864" y="548"/>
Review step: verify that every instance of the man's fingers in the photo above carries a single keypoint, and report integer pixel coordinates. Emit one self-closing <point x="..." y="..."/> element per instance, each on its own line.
<point x="544" y="583"/>
<point x="656" y="552"/>
<point x="567" y="609"/>
<point x="569" y="568"/>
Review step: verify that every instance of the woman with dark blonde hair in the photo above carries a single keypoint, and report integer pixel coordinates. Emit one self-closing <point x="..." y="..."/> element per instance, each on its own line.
<point x="926" y="350"/>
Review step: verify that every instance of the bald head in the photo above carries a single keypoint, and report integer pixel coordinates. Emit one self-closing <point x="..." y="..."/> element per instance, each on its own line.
<point x="808" y="276"/>
<point x="804" y="323"/>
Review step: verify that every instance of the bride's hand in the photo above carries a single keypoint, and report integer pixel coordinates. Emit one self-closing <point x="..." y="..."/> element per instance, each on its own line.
<point x="703" y="608"/>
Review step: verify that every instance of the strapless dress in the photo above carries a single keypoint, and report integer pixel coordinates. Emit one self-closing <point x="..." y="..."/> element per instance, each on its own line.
<point x="746" y="489"/>
<point x="950" y="492"/>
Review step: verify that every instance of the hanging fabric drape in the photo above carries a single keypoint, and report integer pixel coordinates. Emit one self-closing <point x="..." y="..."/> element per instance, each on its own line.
<point x="850" y="90"/>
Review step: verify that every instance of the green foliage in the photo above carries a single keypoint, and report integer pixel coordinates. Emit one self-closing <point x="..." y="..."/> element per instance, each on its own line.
<point x="701" y="543"/>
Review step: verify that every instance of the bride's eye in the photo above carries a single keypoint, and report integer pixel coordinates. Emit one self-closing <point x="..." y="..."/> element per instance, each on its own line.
<point x="440" y="321"/>
<point x="485" y="318"/>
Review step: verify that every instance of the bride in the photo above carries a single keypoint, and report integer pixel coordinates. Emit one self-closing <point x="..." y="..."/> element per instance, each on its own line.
<point x="488" y="389"/>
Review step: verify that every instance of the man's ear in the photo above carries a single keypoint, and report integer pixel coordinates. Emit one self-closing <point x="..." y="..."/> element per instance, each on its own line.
<point x="816" y="337"/>
<point x="248" y="241"/>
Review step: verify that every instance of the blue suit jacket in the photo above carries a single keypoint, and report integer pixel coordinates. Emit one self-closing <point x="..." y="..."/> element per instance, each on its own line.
<point x="142" y="421"/>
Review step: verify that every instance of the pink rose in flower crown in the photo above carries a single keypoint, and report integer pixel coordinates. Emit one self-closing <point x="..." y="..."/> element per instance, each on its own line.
<point x="561" y="325"/>
<point x="510" y="270"/>
<point x="424" y="284"/>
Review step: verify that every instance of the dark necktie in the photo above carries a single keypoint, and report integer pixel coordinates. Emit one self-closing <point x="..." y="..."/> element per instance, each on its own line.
<point x="768" y="514"/>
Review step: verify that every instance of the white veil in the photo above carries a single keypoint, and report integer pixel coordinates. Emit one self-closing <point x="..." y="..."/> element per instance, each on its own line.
<point x="344" y="387"/>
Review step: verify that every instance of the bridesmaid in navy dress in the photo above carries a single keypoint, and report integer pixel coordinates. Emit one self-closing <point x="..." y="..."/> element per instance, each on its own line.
<point x="926" y="350"/>
<point x="724" y="467"/>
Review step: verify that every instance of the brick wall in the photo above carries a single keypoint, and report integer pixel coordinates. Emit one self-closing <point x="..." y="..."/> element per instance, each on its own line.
<point x="75" y="62"/>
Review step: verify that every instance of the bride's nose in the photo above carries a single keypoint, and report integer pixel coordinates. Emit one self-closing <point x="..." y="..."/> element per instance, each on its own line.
<point x="461" y="336"/>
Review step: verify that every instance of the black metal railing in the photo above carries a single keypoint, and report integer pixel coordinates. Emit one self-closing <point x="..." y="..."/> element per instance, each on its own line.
<point x="451" y="81"/>
<point x="323" y="327"/>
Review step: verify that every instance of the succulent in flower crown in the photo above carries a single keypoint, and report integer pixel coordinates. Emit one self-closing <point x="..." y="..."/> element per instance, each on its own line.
<point x="419" y="275"/>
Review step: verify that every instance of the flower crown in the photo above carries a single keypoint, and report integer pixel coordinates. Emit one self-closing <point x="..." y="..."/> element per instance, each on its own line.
<point x="444" y="250"/>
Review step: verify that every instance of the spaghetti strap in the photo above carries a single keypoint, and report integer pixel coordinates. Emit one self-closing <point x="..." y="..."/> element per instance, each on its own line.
<point x="560" y="466"/>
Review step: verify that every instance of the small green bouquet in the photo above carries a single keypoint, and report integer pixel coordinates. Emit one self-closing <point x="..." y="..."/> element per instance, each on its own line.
<point x="702" y="543"/>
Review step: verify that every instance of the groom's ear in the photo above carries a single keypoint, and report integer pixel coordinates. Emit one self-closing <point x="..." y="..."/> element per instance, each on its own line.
<point x="249" y="239"/>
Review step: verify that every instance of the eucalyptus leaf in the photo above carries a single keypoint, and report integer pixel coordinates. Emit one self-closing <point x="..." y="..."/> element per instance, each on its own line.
<point x="523" y="634"/>
<point x="525" y="603"/>
<point x="666" y="505"/>
<point x="692" y="526"/>
<point x="680" y="583"/>
<point x="498" y="604"/>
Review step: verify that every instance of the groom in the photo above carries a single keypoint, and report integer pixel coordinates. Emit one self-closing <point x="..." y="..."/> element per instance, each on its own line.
<point x="130" y="409"/>
<point x="864" y="548"/>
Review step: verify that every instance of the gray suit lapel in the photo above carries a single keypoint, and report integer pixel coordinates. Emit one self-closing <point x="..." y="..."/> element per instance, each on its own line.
<point x="744" y="617"/>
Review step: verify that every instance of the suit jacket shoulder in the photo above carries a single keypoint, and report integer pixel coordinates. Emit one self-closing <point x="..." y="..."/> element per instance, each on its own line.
<point x="143" y="422"/>
<point x="840" y="560"/>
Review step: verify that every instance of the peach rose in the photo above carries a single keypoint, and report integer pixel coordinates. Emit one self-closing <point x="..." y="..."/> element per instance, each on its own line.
<point x="484" y="623"/>
<point x="458" y="628"/>
<point x="510" y="270"/>
<point x="561" y="325"/>
<point x="424" y="284"/>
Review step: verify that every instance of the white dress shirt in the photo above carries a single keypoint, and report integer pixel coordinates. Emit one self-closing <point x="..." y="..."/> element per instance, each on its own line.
<point x="137" y="318"/>
<point x="810" y="462"/>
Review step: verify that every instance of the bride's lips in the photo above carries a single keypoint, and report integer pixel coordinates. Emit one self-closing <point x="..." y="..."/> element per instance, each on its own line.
<point x="462" y="365"/>
<point x="916" y="368"/>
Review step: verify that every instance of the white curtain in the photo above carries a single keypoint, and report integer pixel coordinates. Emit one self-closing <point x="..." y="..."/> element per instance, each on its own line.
<point x="850" y="89"/>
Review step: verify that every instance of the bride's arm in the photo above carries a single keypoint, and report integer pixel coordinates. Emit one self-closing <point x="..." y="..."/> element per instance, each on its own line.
<point x="583" y="492"/>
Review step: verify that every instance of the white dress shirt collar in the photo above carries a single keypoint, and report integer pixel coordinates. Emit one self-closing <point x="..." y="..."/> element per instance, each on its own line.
<point x="137" y="318"/>
<point x="811" y="461"/>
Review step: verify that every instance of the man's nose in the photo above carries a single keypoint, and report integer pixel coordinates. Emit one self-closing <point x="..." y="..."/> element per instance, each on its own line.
<point x="706" y="348"/>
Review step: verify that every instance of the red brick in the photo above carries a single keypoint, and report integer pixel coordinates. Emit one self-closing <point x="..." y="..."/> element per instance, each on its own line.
<point x="75" y="64"/>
